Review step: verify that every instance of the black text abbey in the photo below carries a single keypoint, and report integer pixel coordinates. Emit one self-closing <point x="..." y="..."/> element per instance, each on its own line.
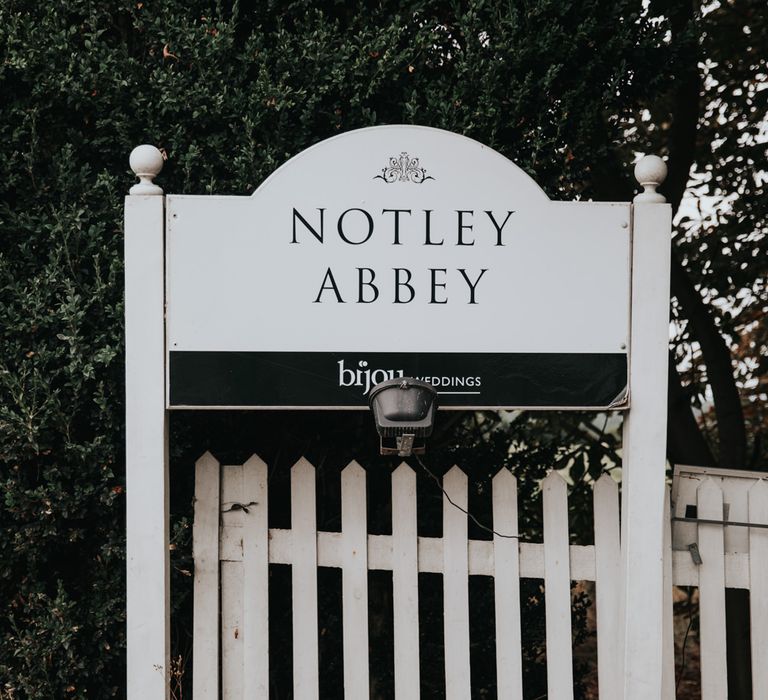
<point x="401" y="227"/>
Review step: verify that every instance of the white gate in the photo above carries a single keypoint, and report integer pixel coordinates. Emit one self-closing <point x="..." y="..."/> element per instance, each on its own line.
<point x="239" y="541"/>
<point x="233" y="547"/>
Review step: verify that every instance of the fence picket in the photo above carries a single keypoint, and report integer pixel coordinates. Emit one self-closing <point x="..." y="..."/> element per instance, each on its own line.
<point x="714" y="683"/>
<point x="668" y="621"/>
<point x="205" y="548"/>
<point x="255" y="580"/>
<point x="607" y="585"/>
<point x="456" y="587"/>
<point x="758" y="594"/>
<point x="244" y="546"/>
<point x="509" y="662"/>
<point x="405" y="583"/>
<point x="304" y="582"/>
<point x="232" y="591"/>
<point x="355" y="581"/>
<point x="557" y="588"/>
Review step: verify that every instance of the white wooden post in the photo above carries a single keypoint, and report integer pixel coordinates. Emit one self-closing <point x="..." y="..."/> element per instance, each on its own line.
<point x="306" y="663"/>
<point x="232" y="586"/>
<point x="668" y="624"/>
<point x="714" y="671"/>
<point x="205" y="547"/>
<point x="557" y="588"/>
<point x="758" y="584"/>
<point x="645" y="438"/>
<point x="255" y="581"/>
<point x="146" y="435"/>
<point x="354" y="580"/>
<point x="607" y="590"/>
<point x="458" y="684"/>
<point x="506" y="569"/>
<point x="405" y="583"/>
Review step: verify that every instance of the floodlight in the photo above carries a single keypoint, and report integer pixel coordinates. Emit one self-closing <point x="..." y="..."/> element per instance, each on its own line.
<point x="404" y="411"/>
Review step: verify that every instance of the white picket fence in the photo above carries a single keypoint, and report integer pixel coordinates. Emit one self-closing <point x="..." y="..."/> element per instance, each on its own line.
<point x="233" y="548"/>
<point x="731" y="557"/>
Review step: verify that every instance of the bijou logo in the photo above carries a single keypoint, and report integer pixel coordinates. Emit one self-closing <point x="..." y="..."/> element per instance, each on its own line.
<point x="366" y="378"/>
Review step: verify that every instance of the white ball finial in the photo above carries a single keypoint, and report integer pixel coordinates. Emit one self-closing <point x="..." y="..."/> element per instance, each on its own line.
<point x="650" y="172"/>
<point x="147" y="162"/>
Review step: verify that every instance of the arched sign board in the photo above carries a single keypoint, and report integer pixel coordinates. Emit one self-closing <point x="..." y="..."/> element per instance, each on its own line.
<point x="385" y="251"/>
<point x="397" y="251"/>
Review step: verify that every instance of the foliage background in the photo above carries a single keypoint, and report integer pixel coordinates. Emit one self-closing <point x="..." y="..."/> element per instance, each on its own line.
<point x="569" y="89"/>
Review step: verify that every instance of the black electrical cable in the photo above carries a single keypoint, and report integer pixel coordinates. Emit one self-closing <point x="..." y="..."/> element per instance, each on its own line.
<point x="456" y="505"/>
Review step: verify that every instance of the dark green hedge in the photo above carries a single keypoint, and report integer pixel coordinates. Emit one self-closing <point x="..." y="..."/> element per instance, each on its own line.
<point x="229" y="91"/>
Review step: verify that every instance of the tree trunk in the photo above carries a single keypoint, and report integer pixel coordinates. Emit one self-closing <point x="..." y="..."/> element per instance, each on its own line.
<point x="682" y="445"/>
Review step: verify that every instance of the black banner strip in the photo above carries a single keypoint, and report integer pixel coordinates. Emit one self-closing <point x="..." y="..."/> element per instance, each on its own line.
<point x="338" y="379"/>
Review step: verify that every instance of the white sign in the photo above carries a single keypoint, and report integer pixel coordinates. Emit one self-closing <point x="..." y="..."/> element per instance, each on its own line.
<point x="389" y="251"/>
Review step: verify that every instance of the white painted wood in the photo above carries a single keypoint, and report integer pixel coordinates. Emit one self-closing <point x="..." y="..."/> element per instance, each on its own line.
<point x="509" y="662"/>
<point x="607" y="585"/>
<point x="405" y="583"/>
<point x="668" y="623"/>
<point x="430" y="553"/>
<point x="758" y="599"/>
<point x="644" y="458"/>
<point x="304" y="575"/>
<point x="205" y="549"/>
<point x="482" y="558"/>
<point x="735" y="484"/>
<point x="354" y="578"/>
<point x="686" y="573"/>
<point x="714" y="672"/>
<point x="578" y="249"/>
<point x="557" y="588"/>
<point x="232" y="628"/>
<point x="255" y="580"/>
<point x="146" y="162"/>
<point x="650" y="172"/>
<point x="405" y="553"/>
<point x="456" y="587"/>
<point x="146" y="456"/>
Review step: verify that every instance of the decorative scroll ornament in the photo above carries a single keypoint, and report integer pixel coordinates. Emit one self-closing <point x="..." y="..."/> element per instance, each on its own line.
<point x="403" y="168"/>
